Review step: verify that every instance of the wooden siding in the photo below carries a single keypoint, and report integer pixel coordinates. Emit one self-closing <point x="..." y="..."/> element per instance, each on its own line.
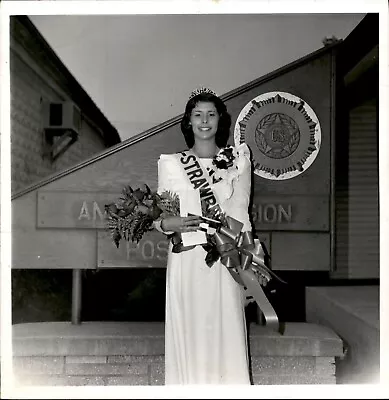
<point x="357" y="219"/>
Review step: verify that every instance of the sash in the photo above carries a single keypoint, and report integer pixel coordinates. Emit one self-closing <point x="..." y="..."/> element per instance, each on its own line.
<point x="200" y="179"/>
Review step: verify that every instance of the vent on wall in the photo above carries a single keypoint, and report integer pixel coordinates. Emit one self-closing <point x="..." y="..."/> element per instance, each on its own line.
<point x="62" y="125"/>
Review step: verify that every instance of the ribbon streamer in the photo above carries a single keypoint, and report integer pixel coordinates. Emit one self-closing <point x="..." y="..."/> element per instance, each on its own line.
<point x="244" y="257"/>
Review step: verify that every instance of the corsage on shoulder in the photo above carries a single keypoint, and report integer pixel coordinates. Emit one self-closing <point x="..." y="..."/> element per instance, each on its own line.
<point x="229" y="162"/>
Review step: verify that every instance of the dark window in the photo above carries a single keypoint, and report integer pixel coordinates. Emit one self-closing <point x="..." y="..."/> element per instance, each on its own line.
<point x="56" y="114"/>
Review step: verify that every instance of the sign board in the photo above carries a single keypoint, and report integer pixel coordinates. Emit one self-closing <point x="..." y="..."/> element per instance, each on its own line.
<point x="150" y="252"/>
<point x="60" y="209"/>
<point x="85" y="210"/>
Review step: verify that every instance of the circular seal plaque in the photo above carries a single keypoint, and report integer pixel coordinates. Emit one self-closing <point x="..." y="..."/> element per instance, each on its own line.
<point x="283" y="133"/>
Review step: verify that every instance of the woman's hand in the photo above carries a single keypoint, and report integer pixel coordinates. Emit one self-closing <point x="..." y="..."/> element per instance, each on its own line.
<point x="181" y="224"/>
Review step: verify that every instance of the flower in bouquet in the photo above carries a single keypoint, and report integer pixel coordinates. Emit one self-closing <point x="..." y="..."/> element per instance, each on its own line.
<point x="133" y="214"/>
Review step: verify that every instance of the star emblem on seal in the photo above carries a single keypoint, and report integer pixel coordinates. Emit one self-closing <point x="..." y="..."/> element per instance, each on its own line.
<point x="277" y="135"/>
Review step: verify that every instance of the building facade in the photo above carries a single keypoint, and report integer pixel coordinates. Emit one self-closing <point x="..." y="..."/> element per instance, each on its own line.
<point x="39" y="83"/>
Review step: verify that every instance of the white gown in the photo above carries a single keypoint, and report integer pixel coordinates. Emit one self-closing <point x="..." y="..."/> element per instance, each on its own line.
<point x="205" y="330"/>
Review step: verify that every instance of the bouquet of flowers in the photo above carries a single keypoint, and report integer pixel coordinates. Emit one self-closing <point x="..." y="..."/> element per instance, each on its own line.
<point x="133" y="214"/>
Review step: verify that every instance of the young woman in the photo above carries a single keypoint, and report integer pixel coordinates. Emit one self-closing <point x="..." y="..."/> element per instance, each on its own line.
<point x="205" y="334"/>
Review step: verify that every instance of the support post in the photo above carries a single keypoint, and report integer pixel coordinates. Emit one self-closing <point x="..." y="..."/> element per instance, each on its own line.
<point x="76" y="297"/>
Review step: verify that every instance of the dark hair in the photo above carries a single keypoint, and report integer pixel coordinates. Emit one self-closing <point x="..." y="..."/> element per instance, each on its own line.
<point x="223" y="129"/>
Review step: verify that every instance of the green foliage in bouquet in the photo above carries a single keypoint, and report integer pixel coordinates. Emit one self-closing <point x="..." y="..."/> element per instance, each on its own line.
<point x="133" y="214"/>
<point x="169" y="203"/>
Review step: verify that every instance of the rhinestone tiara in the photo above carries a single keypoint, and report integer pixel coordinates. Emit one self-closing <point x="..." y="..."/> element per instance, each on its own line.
<point x="201" y="90"/>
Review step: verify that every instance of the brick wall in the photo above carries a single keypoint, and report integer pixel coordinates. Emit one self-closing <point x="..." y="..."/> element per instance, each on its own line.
<point x="90" y="370"/>
<point x="150" y="370"/>
<point x="28" y="164"/>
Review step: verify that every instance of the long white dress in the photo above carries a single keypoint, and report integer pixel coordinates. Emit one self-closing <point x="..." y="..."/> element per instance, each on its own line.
<point x="205" y="330"/>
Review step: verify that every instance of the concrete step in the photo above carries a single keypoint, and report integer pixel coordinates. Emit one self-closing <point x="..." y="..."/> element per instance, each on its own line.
<point x="88" y="338"/>
<point x="133" y="354"/>
<point x="147" y="339"/>
<point x="299" y="339"/>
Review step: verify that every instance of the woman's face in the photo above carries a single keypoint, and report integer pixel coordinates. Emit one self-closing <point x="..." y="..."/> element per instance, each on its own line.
<point x="204" y="119"/>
